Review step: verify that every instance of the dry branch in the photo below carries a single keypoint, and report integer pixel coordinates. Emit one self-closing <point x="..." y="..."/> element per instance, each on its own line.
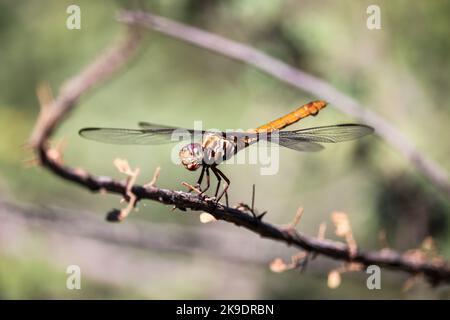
<point x="101" y="69"/>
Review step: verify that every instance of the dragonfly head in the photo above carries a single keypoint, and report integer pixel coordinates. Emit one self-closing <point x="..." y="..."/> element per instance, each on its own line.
<point x="191" y="156"/>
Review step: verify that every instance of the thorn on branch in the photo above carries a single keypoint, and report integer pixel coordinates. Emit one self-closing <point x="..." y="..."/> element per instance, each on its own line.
<point x="191" y="187"/>
<point x="298" y="215"/>
<point x="46" y="100"/>
<point x="253" y="199"/>
<point x="154" y="179"/>
<point x="426" y="252"/>
<point x="320" y="236"/>
<point x="261" y="216"/>
<point x="343" y="229"/>
<point x="334" y="279"/>
<point x="123" y="166"/>
<point x="322" y="230"/>
<point x="31" y="162"/>
<point x="298" y="261"/>
<point x="251" y="209"/>
<point x="206" y="217"/>
<point x="411" y="282"/>
<point x="278" y="265"/>
<point x="429" y="247"/>
<point x="55" y="153"/>
<point x="334" y="276"/>
<point x="45" y="96"/>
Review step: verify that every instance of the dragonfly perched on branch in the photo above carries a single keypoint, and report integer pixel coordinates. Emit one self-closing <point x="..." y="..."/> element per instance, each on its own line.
<point x="216" y="147"/>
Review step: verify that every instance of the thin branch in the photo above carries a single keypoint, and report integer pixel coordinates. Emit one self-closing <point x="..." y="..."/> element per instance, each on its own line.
<point x="297" y="78"/>
<point x="101" y="69"/>
<point x="116" y="57"/>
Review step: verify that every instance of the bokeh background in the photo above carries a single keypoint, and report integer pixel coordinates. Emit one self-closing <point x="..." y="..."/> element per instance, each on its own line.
<point x="401" y="72"/>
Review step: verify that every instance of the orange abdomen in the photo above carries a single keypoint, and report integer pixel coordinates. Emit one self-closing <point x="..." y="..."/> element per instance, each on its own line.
<point x="311" y="108"/>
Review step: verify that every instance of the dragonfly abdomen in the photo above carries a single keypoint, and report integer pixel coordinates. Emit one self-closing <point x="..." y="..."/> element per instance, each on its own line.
<point x="304" y="111"/>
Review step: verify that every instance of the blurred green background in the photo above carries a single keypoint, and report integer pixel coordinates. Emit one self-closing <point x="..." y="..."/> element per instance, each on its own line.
<point x="401" y="72"/>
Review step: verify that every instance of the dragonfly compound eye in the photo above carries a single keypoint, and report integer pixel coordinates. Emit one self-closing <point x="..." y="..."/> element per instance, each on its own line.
<point x="191" y="156"/>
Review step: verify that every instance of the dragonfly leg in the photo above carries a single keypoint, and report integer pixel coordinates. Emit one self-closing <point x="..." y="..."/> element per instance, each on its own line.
<point x="226" y="199"/>
<point x="200" y="179"/>
<point x="219" y="180"/>
<point x="225" y="188"/>
<point x="207" y="180"/>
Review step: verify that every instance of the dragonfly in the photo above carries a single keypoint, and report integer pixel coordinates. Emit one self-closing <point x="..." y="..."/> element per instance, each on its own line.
<point x="216" y="147"/>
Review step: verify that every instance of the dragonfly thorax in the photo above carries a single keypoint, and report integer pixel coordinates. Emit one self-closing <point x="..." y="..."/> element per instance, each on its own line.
<point x="213" y="150"/>
<point x="217" y="149"/>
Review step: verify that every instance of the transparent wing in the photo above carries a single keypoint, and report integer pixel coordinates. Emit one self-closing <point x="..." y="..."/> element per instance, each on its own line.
<point x="244" y="139"/>
<point x="306" y="140"/>
<point x="155" y="126"/>
<point x="161" y="127"/>
<point x="300" y="145"/>
<point x="299" y="140"/>
<point x="329" y="134"/>
<point x="152" y="135"/>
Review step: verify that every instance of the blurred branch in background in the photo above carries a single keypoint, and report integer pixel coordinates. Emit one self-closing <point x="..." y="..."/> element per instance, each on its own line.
<point x="141" y="256"/>
<point x="165" y="238"/>
<point x="54" y="110"/>
<point x="296" y="78"/>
